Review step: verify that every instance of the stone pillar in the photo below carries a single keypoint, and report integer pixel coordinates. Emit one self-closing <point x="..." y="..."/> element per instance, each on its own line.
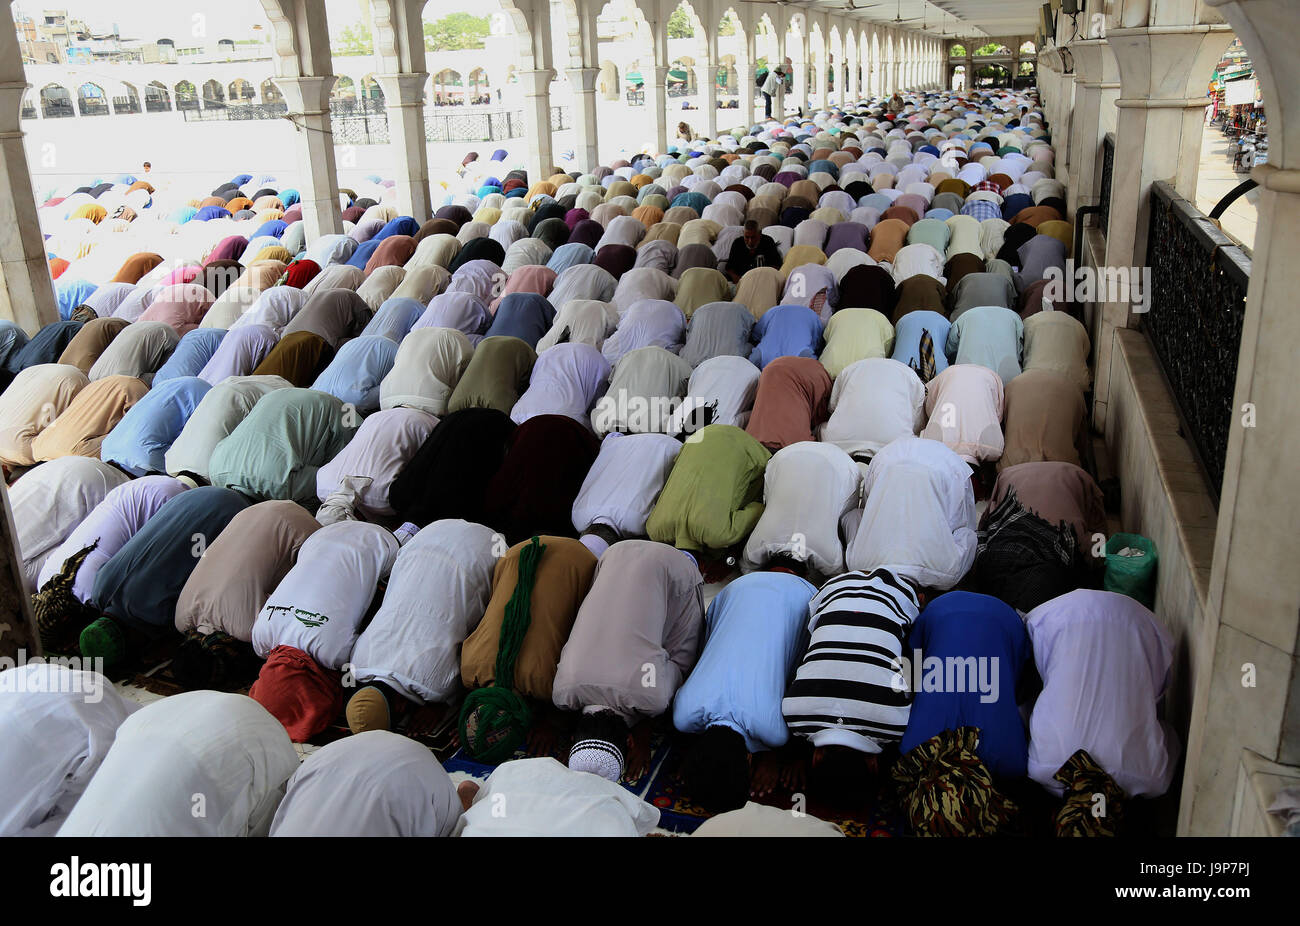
<point x="970" y="68"/>
<point x="1096" y="83"/>
<point x="536" y="85"/>
<point x="404" y="100"/>
<point x="745" y="87"/>
<point x="585" y="148"/>
<point x="26" y="290"/>
<point x="308" y="101"/>
<point x="706" y="76"/>
<point x="1159" y="120"/>
<point x="852" y="92"/>
<point x="657" y="100"/>
<point x="802" y="80"/>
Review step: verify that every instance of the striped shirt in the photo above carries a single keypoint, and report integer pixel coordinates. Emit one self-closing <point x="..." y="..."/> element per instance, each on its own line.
<point x="847" y="690"/>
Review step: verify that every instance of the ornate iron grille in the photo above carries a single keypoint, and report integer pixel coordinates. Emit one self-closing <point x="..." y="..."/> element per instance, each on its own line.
<point x="1199" y="278"/>
<point x="1107" y="169"/>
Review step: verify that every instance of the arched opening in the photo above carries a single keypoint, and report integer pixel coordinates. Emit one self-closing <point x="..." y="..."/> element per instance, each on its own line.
<point x="214" y="95"/>
<point x="241" y="92"/>
<point x="127" y="100"/>
<point x="681" y="77"/>
<point x="479" y="86"/>
<point x="957" y="50"/>
<point x="958" y="81"/>
<point x="1027" y="48"/>
<point x="91" y="100"/>
<point x="371" y="92"/>
<point x="448" y="88"/>
<point x="344" y="90"/>
<point x="992" y="75"/>
<point x="187" y="96"/>
<point x="156" y="97"/>
<point x="56" y="102"/>
<point x="271" y="94"/>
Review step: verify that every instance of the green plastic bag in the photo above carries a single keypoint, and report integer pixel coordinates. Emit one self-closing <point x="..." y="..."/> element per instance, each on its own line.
<point x="1131" y="561"/>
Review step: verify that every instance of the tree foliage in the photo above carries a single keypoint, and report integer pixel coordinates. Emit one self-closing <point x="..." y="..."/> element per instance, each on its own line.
<point x="679" y="25"/>
<point x="456" y="32"/>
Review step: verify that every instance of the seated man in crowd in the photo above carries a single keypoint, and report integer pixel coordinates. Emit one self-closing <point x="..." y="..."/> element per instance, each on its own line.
<point x="752" y="249"/>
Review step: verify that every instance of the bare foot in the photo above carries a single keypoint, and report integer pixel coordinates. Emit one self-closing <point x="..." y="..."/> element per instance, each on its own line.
<point x="766" y="776"/>
<point x="466" y="791"/>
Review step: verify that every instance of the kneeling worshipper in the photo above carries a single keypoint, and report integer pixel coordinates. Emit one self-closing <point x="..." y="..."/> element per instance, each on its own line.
<point x="800" y="530"/>
<point x="1058" y="342"/>
<point x="873" y="403"/>
<point x="192" y="354"/>
<point x="428" y="365"/>
<point x="786" y="331"/>
<point x="847" y="698"/>
<point x="356" y="372"/>
<point x="409" y="654"/>
<point x="298" y="358"/>
<point x="567" y="379"/>
<point x="511" y="658"/>
<point x="966" y="656"/>
<point x="546" y="799"/>
<point x="220" y="410"/>
<point x="67" y="579"/>
<point x="580" y="321"/>
<point x="138" y="352"/>
<point x="140" y="441"/>
<point x="357" y="482"/>
<point x="647" y="323"/>
<point x="754" y="633"/>
<point x="308" y="627"/>
<point x="333" y="315"/>
<point x="276" y="450"/>
<point x="919" y="341"/>
<point x="1046" y="419"/>
<point x="721" y="391"/>
<point x="48" y="503"/>
<point x="712" y="499"/>
<point x="373" y="784"/>
<point x="222" y="749"/>
<point x="1056" y="492"/>
<point x="221" y="599"/>
<point x="449" y="475"/>
<point x="791" y="403"/>
<point x="1024" y="559"/>
<point x="57" y="725"/>
<point x="634" y="640"/>
<point x="34" y="401"/>
<point x="918" y="518"/>
<point x="534" y="489"/>
<point x="964" y="405"/>
<point x="645" y="389"/>
<point x="855" y="334"/>
<point x="718" y="329"/>
<point x="990" y="336"/>
<point x="496" y="377"/>
<point x="621" y="488"/>
<point x="1104" y="660"/>
<point x="81" y="428"/>
<point x="761" y="820"/>
<point x="136" y="590"/>
<point x="91" y="341"/>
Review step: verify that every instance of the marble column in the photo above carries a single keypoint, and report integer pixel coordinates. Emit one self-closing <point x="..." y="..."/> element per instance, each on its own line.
<point x="1096" y="86"/>
<point x="404" y="100"/>
<point x="308" y="101"/>
<point x="706" y="76"/>
<point x="657" y="100"/>
<point x="745" y="88"/>
<point x="586" y="144"/>
<point x="536" y="85"/>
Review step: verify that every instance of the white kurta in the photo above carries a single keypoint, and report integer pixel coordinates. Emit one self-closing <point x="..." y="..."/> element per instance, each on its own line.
<point x="376" y="783"/>
<point x="919" y="516"/>
<point x="807" y="488"/>
<point x="202" y="763"/>
<point x="52" y="499"/>
<point x="730" y="382"/>
<point x="622" y="486"/>
<point x="57" y="724"/>
<point x="874" y="402"/>
<point x="319" y="604"/>
<point x="436" y="596"/>
<point x="380" y="449"/>
<point x="541" y="797"/>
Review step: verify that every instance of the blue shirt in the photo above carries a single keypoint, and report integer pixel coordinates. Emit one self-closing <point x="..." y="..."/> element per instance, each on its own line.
<point x="192" y="353"/>
<point x="786" y="331"/>
<point x="139" y="442"/>
<point x="755" y="631"/>
<point x="959" y="625"/>
<point x="354" y="375"/>
<point x="907" y="338"/>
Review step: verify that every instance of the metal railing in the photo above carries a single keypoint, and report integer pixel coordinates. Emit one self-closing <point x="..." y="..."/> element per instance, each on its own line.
<point x="1107" y="172"/>
<point x="1199" y="278"/>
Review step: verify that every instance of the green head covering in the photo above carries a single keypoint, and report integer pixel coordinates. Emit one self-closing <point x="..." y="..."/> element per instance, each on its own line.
<point x="103" y="639"/>
<point x="495" y="720"/>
